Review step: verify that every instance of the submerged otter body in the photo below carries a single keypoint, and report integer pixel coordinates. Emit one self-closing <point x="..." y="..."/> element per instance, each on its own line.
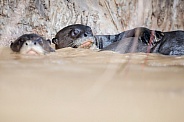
<point x="135" y="40"/>
<point x="31" y="44"/>
<point x="166" y="43"/>
<point x="172" y="43"/>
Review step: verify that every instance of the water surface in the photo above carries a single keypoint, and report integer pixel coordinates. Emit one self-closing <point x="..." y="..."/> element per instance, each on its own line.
<point x="80" y="85"/>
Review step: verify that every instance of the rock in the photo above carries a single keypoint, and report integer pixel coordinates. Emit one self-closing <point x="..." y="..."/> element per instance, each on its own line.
<point x="46" y="17"/>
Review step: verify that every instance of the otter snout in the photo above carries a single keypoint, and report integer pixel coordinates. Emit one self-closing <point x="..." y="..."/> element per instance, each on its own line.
<point x="32" y="47"/>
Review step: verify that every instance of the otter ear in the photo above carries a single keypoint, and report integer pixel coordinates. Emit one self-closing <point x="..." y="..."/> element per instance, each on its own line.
<point x="11" y="44"/>
<point x="55" y="40"/>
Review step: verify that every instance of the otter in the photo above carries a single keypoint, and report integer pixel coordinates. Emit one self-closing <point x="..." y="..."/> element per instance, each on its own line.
<point x="71" y="36"/>
<point x="31" y="44"/>
<point x="139" y="39"/>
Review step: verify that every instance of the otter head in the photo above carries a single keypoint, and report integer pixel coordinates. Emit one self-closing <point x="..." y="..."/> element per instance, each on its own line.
<point x="31" y="44"/>
<point x="75" y="36"/>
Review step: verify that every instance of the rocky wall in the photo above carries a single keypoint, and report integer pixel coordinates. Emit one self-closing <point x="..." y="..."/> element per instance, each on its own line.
<point x="46" y="17"/>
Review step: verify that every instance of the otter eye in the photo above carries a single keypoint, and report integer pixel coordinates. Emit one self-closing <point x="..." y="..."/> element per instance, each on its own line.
<point x="75" y="33"/>
<point x="34" y="43"/>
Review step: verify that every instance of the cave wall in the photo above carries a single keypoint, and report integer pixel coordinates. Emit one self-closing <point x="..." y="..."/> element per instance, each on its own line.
<point x="46" y="17"/>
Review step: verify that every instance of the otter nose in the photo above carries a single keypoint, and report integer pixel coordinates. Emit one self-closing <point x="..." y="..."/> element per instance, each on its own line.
<point x="87" y="34"/>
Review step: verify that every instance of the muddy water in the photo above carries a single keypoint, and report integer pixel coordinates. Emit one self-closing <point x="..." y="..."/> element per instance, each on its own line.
<point x="78" y="85"/>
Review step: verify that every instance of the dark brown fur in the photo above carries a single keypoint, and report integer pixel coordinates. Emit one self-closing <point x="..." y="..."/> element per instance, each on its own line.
<point x="141" y="39"/>
<point x="36" y="40"/>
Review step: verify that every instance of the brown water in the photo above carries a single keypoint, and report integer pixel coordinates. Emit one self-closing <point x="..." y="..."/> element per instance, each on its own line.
<point x="78" y="85"/>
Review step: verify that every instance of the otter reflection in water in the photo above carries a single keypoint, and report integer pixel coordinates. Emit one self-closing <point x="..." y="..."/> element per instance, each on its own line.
<point x="31" y="44"/>
<point x="136" y="40"/>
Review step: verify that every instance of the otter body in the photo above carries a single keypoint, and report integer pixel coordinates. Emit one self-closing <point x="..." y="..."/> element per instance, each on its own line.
<point x="135" y="40"/>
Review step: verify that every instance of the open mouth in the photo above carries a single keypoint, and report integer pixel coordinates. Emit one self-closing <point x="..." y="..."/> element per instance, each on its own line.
<point x="87" y="44"/>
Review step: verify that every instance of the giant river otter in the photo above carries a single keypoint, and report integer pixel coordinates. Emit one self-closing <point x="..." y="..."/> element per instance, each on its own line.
<point x="136" y="40"/>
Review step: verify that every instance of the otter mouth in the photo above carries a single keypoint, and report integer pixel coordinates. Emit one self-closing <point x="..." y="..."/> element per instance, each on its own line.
<point x="86" y="43"/>
<point x="32" y="52"/>
<point x="30" y="48"/>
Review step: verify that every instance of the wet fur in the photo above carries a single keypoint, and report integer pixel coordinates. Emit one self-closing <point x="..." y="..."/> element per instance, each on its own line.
<point x="41" y="45"/>
<point x="66" y="37"/>
<point x="135" y="40"/>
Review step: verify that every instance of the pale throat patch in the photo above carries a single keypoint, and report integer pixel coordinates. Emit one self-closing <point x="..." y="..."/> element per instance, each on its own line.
<point x="32" y="48"/>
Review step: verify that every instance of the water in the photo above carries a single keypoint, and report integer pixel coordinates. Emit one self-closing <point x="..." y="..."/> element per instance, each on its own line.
<point x="86" y="86"/>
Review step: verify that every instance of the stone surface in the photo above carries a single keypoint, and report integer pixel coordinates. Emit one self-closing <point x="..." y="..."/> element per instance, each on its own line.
<point x="46" y="17"/>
